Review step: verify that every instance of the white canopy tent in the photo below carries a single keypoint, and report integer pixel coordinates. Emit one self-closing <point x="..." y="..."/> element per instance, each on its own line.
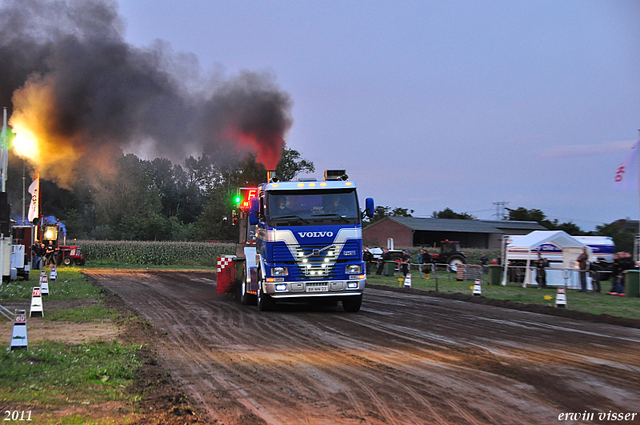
<point x="526" y="248"/>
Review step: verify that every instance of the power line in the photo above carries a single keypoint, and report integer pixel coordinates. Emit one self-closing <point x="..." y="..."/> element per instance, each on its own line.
<point x="477" y="211"/>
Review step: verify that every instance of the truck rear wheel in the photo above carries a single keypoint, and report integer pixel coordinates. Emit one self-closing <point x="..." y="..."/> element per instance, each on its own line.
<point x="352" y="304"/>
<point x="66" y="261"/>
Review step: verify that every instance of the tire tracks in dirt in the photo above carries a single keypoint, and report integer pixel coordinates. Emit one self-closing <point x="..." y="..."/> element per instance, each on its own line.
<point x="402" y="359"/>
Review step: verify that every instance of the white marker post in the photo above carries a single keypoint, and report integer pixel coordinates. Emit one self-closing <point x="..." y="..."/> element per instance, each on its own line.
<point x="407" y="280"/>
<point x="44" y="285"/>
<point x="477" y="289"/>
<point x="561" y="298"/>
<point x="36" y="303"/>
<point x="53" y="275"/>
<point x="19" y="336"/>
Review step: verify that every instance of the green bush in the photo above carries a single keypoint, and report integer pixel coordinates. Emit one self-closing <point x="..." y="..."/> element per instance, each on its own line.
<point x="156" y="253"/>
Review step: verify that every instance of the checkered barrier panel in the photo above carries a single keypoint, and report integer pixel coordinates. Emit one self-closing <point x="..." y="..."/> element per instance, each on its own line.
<point x="223" y="262"/>
<point x="225" y="276"/>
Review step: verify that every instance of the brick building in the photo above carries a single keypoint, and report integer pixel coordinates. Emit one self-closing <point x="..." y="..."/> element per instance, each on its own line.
<point x="412" y="232"/>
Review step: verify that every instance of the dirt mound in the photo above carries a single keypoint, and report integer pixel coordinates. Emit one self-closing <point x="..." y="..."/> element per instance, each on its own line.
<point x="532" y="308"/>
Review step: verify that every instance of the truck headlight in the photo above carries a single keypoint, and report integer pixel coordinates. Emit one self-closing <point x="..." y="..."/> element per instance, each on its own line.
<point x="353" y="268"/>
<point x="279" y="271"/>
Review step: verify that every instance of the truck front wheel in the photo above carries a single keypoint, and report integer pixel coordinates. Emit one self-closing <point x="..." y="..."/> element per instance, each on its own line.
<point x="265" y="302"/>
<point x="66" y="261"/>
<point x="245" y="298"/>
<point x="352" y="304"/>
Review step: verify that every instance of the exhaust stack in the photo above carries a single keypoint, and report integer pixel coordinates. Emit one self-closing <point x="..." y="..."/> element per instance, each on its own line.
<point x="336" y="175"/>
<point x="271" y="176"/>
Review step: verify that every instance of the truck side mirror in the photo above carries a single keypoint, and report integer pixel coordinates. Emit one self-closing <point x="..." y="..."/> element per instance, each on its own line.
<point x="369" y="208"/>
<point x="254" y="211"/>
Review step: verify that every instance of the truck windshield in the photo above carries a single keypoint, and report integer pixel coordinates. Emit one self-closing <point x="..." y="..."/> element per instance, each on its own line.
<point x="312" y="207"/>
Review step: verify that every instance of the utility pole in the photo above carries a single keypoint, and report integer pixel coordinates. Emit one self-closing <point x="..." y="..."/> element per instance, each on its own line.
<point x="636" y="248"/>
<point x="500" y="207"/>
<point x="5" y="149"/>
<point x="4" y="264"/>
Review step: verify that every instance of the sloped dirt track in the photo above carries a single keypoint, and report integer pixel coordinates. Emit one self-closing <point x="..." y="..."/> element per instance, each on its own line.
<point x="403" y="359"/>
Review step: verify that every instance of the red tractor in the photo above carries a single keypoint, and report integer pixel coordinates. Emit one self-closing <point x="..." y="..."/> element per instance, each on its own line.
<point x="52" y="235"/>
<point x="450" y="255"/>
<point x="70" y="254"/>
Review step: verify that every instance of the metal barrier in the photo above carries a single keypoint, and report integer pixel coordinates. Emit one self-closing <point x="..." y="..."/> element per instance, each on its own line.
<point x="470" y="272"/>
<point x="9" y="315"/>
<point x="463" y="272"/>
<point x="555" y="277"/>
<point x="416" y="266"/>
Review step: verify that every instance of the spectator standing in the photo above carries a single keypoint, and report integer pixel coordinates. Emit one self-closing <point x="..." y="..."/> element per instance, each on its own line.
<point x="367" y="257"/>
<point x="615" y="273"/>
<point x="582" y="265"/>
<point x="626" y="263"/>
<point x="36" y="255"/>
<point x="483" y="262"/>
<point x="541" y="272"/>
<point x="49" y="252"/>
<point x="43" y="253"/>
<point x="594" y="271"/>
<point x="406" y="262"/>
<point x="385" y="257"/>
<point x="425" y="263"/>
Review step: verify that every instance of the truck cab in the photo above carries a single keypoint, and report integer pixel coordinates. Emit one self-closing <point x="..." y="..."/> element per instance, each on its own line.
<point x="308" y="243"/>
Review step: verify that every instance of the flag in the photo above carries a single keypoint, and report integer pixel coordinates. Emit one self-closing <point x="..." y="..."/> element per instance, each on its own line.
<point x="7" y="137"/>
<point x="626" y="177"/>
<point x="34" y="188"/>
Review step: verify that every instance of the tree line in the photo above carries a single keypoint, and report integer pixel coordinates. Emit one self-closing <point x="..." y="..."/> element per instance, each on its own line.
<point x="149" y="200"/>
<point x="622" y="237"/>
<point x="155" y="199"/>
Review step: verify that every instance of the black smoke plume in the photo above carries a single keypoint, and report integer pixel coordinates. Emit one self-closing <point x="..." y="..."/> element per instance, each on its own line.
<point x="68" y="75"/>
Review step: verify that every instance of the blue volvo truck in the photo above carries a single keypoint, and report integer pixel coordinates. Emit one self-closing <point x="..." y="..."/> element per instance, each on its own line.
<point x="301" y="241"/>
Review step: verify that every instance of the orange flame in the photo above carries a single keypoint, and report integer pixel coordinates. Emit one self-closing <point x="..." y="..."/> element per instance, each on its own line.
<point x="53" y="154"/>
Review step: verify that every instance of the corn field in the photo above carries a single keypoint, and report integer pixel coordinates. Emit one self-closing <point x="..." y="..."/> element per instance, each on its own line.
<point x="156" y="253"/>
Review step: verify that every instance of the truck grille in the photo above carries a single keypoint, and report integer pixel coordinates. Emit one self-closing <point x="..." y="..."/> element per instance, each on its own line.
<point x="312" y="261"/>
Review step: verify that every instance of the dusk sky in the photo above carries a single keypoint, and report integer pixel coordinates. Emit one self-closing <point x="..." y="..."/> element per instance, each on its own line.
<point x="436" y="104"/>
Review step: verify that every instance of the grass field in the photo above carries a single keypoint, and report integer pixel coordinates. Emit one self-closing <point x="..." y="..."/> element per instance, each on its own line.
<point x="70" y="285"/>
<point x="595" y="303"/>
<point x="57" y="382"/>
<point x="54" y="374"/>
